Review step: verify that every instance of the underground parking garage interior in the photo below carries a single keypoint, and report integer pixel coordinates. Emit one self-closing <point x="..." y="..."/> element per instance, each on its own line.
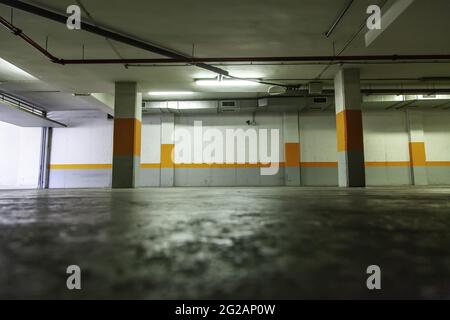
<point x="224" y="150"/>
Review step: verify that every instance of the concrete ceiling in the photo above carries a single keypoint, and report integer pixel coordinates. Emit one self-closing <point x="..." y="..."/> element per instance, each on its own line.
<point x="221" y="29"/>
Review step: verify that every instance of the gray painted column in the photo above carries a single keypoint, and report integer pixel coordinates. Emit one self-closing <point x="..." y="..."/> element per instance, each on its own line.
<point x="291" y="149"/>
<point x="349" y="129"/>
<point x="417" y="152"/>
<point x="127" y="135"/>
<point x="44" y="166"/>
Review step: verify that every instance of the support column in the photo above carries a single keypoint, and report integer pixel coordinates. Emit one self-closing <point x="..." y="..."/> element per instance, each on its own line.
<point x="291" y="149"/>
<point x="127" y="135"/>
<point x="44" y="166"/>
<point x="417" y="153"/>
<point x="349" y="130"/>
<point x="167" y="149"/>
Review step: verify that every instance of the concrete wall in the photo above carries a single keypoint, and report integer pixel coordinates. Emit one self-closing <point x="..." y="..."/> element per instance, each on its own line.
<point x="386" y="149"/>
<point x="318" y="153"/>
<point x="20" y="156"/>
<point x="437" y="146"/>
<point x="151" y="152"/>
<point x="81" y="154"/>
<point x="201" y="173"/>
<point x="198" y="171"/>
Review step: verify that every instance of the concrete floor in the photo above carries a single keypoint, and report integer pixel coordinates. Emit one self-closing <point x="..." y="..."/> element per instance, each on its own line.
<point x="225" y="242"/>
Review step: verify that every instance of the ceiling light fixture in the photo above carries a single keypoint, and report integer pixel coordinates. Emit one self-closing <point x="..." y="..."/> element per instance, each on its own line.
<point x="226" y="82"/>
<point x="170" y="93"/>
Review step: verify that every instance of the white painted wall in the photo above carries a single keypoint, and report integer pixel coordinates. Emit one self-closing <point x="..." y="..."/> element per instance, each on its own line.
<point x="437" y="135"/>
<point x="437" y="146"/>
<point x="151" y="139"/>
<point x="386" y="139"/>
<point x="88" y="139"/>
<point x="385" y="136"/>
<point x="318" y="137"/>
<point x="20" y="150"/>
<point x="222" y="123"/>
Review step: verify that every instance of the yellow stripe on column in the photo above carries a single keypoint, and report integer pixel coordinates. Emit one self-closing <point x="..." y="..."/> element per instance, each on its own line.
<point x="127" y="137"/>
<point x="167" y="155"/>
<point x="292" y="154"/>
<point x="349" y="131"/>
<point x="417" y="154"/>
<point x="137" y="137"/>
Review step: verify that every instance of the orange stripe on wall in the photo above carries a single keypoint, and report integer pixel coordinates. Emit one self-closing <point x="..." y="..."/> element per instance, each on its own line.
<point x="127" y="137"/>
<point x="292" y="154"/>
<point x="417" y="153"/>
<point x="349" y="130"/>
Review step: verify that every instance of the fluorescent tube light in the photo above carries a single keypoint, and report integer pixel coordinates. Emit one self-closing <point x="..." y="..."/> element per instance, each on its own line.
<point x="225" y="83"/>
<point x="170" y="93"/>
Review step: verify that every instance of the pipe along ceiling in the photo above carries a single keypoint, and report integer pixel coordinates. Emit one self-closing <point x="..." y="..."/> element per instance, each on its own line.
<point x="176" y="57"/>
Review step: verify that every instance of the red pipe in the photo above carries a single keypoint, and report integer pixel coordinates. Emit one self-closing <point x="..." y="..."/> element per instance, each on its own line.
<point x="27" y="39"/>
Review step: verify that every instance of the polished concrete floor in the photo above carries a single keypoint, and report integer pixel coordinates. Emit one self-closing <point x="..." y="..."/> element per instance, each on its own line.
<point x="269" y="243"/>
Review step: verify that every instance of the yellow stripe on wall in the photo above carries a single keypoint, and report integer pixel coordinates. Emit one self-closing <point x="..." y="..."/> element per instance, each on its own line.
<point x="80" y="166"/>
<point x="388" y="164"/>
<point x="319" y="164"/>
<point x="244" y="165"/>
<point x="224" y="165"/>
<point x="438" y="163"/>
<point x="150" y="165"/>
<point x="238" y="165"/>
